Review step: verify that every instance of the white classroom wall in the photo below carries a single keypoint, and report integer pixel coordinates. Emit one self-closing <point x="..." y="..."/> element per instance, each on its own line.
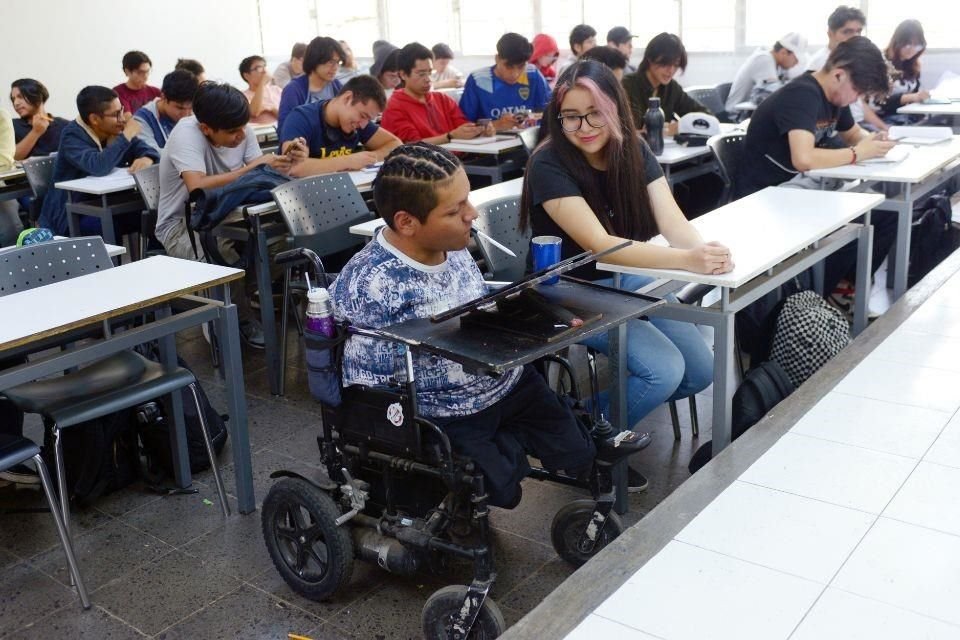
<point x="81" y="42"/>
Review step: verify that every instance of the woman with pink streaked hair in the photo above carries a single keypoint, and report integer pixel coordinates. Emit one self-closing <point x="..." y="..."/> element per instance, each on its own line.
<point x="594" y="183"/>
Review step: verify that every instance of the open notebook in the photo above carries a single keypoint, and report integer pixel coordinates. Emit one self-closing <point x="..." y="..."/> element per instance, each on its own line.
<point x="896" y="154"/>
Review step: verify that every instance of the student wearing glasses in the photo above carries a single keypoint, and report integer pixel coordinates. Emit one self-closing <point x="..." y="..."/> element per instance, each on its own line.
<point x="663" y="56"/>
<point x="264" y="96"/>
<point x="321" y="63"/>
<point x="135" y="92"/>
<point x="415" y="113"/>
<point x="595" y="183"/>
<point x="101" y="139"/>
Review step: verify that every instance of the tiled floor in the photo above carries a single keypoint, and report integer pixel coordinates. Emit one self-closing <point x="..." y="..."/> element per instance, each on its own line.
<point x="847" y="528"/>
<point x="171" y="567"/>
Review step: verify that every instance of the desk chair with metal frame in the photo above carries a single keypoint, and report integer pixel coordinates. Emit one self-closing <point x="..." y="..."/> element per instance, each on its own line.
<point x="148" y="184"/>
<point x="16" y="450"/>
<point x="710" y="98"/>
<point x="728" y="149"/>
<point x="119" y="381"/>
<point x="39" y="172"/>
<point x="319" y="211"/>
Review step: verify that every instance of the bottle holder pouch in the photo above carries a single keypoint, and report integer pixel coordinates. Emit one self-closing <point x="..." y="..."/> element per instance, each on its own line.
<point x="323" y="365"/>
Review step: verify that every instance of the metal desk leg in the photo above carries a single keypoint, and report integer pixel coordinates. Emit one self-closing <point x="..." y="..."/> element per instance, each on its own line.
<point x="617" y="340"/>
<point x="73" y="219"/>
<point x="903" y="243"/>
<point x="724" y="379"/>
<point x="106" y="223"/>
<point x="864" y="263"/>
<point x="267" y="317"/>
<point x="818" y="271"/>
<point x="178" y="435"/>
<point x="228" y="328"/>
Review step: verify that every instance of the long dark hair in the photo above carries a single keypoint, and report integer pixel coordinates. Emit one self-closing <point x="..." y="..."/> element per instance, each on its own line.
<point x="907" y="32"/>
<point x="623" y="208"/>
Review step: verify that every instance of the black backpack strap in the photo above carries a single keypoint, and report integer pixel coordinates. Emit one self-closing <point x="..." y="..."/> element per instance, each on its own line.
<point x="186" y="223"/>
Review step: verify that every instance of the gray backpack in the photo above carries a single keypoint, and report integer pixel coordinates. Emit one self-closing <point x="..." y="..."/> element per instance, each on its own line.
<point x="809" y="333"/>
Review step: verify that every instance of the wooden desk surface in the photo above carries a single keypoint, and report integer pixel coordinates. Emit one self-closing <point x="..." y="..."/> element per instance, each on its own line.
<point x="764" y="229"/>
<point x="62" y="306"/>
<point x="923" y="161"/>
<point x="117" y="180"/>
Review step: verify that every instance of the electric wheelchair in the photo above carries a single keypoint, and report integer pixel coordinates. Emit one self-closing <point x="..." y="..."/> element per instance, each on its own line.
<point x="397" y="495"/>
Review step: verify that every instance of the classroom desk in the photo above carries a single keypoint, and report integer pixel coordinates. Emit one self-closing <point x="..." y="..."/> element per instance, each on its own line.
<point x="489" y="151"/>
<point x="13" y="184"/>
<point x="267" y="137"/>
<point x="118" y="195"/>
<point x="773" y="235"/>
<point x="681" y="163"/>
<point x="925" y="169"/>
<point x="52" y="311"/>
<point x="922" y="109"/>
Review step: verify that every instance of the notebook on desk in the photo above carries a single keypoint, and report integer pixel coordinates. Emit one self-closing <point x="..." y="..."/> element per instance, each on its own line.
<point x="896" y="154"/>
<point x="920" y="135"/>
<point x="480" y="140"/>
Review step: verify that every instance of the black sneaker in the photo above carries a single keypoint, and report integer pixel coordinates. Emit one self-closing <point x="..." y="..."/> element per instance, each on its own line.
<point x="636" y="481"/>
<point x="622" y="444"/>
<point x="251" y="333"/>
<point x="20" y="474"/>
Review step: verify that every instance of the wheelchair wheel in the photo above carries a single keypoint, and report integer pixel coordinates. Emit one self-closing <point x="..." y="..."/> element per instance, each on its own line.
<point x="443" y="605"/>
<point x="313" y="555"/>
<point x="570" y="523"/>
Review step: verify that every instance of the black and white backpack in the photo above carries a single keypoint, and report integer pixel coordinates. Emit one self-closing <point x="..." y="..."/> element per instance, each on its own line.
<point x="809" y="333"/>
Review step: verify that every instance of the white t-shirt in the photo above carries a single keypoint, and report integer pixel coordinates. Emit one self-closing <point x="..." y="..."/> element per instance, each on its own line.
<point x="189" y="150"/>
<point x="760" y="69"/>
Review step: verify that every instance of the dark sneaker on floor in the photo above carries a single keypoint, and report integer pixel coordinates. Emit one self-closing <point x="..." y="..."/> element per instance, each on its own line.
<point x="622" y="444"/>
<point x="252" y="334"/>
<point x="20" y="474"/>
<point x="636" y="481"/>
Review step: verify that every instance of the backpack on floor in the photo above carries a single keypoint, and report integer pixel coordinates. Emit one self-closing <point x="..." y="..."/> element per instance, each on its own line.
<point x="933" y="237"/>
<point x="156" y="420"/>
<point x="809" y="334"/>
<point x="100" y="456"/>
<point x="763" y="387"/>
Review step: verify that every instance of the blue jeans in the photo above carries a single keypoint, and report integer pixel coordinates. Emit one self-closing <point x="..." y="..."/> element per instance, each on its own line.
<point x="666" y="359"/>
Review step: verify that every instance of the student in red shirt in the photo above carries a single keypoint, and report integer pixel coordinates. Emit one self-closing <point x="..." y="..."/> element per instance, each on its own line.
<point x="415" y="113"/>
<point x="135" y="92"/>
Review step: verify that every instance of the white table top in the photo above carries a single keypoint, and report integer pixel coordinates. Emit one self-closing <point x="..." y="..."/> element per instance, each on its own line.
<point x="952" y="109"/>
<point x="490" y="148"/>
<point x="923" y="161"/>
<point x="64" y="305"/>
<point x="510" y="188"/>
<point x="674" y="153"/>
<point x="764" y="229"/>
<point x="117" y="180"/>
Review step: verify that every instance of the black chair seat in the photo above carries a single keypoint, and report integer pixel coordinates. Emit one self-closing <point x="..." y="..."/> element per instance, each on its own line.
<point x="15" y="450"/>
<point x="123" y="380"/>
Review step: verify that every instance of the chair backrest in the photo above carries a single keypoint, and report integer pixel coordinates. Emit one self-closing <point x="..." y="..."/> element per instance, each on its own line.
<point x="500" y="220"/>
<point x="728" y="149"/>
<point x="320" y="210"/>
<point x="723" y="89"/>
<point x="710" y="98"/>
<point x="35" y="265"/>
<point x="39" y="172"/>
<point x="148" y="184"/>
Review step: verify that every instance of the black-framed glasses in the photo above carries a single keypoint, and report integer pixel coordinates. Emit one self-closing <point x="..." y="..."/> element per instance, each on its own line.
<point x="118" y="116"/>
<point x="571" y="123"/>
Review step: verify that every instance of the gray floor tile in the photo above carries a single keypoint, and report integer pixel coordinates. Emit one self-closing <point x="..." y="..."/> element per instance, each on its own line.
<point x="541" y="501"/>
<point x="127" y="499"/>
<point x="236" y="548"/>
<point x="246" y="613"/>
<point x="75" y="623"/>
<point x="392" y="611"/>
<point x="104" y="554"/>
<point x="302" y="445"/>
<point x="26" y="595"/>
<point x="526" y="595"/>
<point x="365" y="579"/>
<point x="42" y="533"/>
<point x="164" y="592"/>
<point x="515" y="559"/>
<point x="177" y="519"/>
<point x="269" y="425"/>
<point x="264" y="463"/>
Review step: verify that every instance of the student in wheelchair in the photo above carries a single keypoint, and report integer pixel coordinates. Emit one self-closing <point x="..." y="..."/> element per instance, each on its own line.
<point x="419" y="266"/>
<point x="414" y="446"/>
